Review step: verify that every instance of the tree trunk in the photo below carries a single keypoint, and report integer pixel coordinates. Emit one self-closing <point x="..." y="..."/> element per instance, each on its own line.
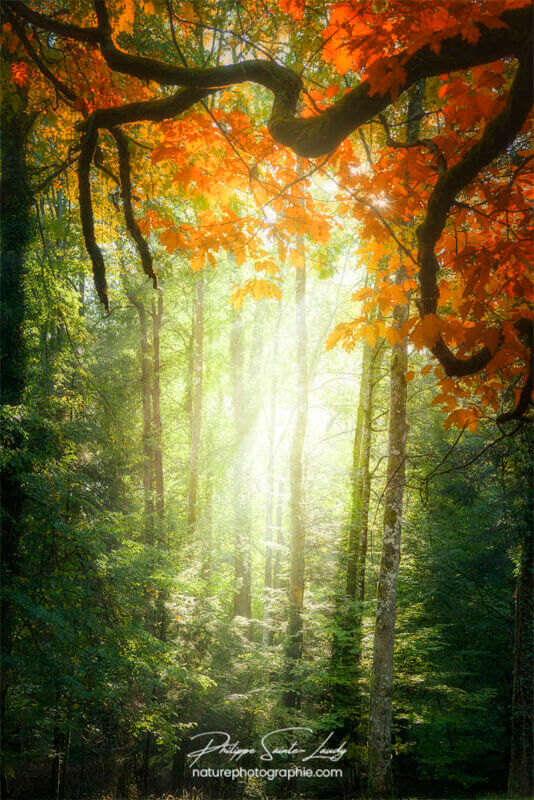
<point x="279" y="535"/>
<point x="294" y="644"/>
<point x="208" y="534"/>
<point x="347" y="640"/>
<point x="269" y="506"/>
<point x="368" y="410"/>
<point x="357" y="539"/>
<point x="64" y="772"/>
<point x="242" y="561"/>
<point x="146" y="763"/>
<point x="146" y="398"/>
<point x="521" y="776"/>
<point x="246" y="399"/>
<point x="380" y="715"/>
<point x="56" y="766"/>
<point x="148" y="448"/>
<point x="157" y="314"/>
<point x="157" y="434"/>
<point x="380" y="711"/>
<point x="196" y="408"/>
<point x="149" y="393"/>
<point x="15" y="231"/>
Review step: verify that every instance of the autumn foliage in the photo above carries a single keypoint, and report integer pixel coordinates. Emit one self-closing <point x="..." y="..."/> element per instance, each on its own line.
<point x="244" y="192"/>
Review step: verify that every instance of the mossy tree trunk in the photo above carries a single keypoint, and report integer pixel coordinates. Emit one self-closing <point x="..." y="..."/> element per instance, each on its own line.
<point x="15" y="232"/>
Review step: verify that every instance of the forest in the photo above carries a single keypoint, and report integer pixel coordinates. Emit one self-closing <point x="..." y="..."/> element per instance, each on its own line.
<point x="266" y="333"/>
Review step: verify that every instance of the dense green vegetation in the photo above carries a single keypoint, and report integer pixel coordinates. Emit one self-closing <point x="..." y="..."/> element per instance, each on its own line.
<point x="91" y="678"/>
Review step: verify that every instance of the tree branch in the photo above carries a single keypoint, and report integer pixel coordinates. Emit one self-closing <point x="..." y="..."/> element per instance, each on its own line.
<point x="318" y="135"/>
<point x="89" y="140"/>
<point x="126" y="194"/>
<point x="498" y="134"/>
<point x="441" y="164"/>
<point x="309" y="137"/>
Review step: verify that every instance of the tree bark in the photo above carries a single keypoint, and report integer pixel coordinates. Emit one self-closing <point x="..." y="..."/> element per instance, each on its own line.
<point x="15" y="231"/>
<point x="357" y="540"/>
<point x="294" y="646"/>
<point x="65" y="770"/>
<point x="157" y="433"/>
<point x="196" y="408"/>
<point x="380" y="716"/>
<point x="146" y="395"/>
<point x="242" y="561"/>
<point x="208" y="535"/>
<point x="246" y="399"/>
<point x="347" y="641"/>
<point x="55" y="770"/>
<point x="380" y="712"/>
<point x="269" y="506"/>
<point x="368" y="410"/>
<point x="157" y="315"/>
<point x="279" y="535"/>
<point x="521" y="775"/>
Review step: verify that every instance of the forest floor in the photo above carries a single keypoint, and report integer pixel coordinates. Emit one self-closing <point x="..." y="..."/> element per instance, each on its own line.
<point x="198" y="796"/>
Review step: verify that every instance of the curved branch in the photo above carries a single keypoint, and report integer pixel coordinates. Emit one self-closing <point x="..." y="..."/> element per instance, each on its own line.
<point x="498" y="134"/>
<point x="429" y="144"/>
<point x="319" y="135"/>
<point x="65" y="29"/>
<point x="146" y="110"/>
<point x="88" y="145"/>
<point x="126" y="194"/>
<point x="525" y="329"/>
<point x="311" y="136"/>
<point x="67" y="93"/>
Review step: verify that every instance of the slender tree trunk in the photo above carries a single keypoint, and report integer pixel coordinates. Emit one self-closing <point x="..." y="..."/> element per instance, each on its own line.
<point x="294" y="644"/>
<point x="146" y="763"/>
<point x="157" y="315"/>
<point x="149" y="394"/>
<point x="358" y="727"/>
<point x="157" y="433"/>
<point x="55" y="773"/>
<point x="279" y="535"/>
<point x="269" y="506"/>
<point x="246" y="403"/>
<point x="58" y="743"/>
<point x="15" y="231"/>
<point x="347" y="642"/>
<point x="368" y="409"/>
<point x="357" y="511"/>
<point x="196" y="408"/>
<point x="178" y="772"/>
<point x="148" y="447"/>
<point x="242" y="561"/>
<point x="380" y="716"/>
<point x="81" y="774"/>
<point x="521" y="775"/>
<point x="208" y="535"/>
<point x="146" y="398"/>
<point x="64" y="771"/>
<point x="380" y="712"/>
